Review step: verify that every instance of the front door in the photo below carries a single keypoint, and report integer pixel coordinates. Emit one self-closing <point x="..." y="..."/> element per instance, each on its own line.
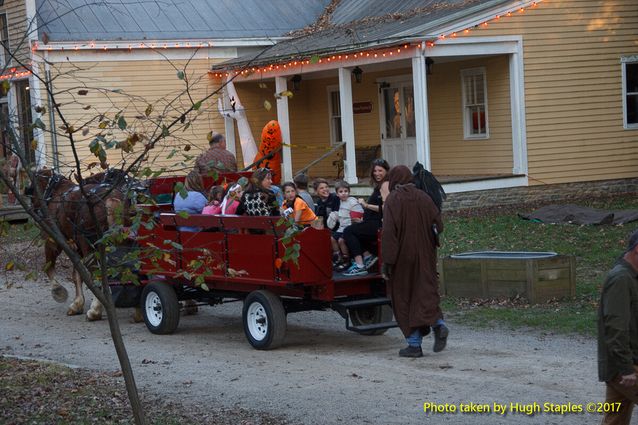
<point x="398" y="132"/>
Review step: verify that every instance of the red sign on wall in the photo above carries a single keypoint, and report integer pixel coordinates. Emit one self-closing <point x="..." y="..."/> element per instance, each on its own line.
<point x="362" y="107"/>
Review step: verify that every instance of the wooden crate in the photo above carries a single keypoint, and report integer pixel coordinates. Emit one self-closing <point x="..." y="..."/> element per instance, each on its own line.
<point x="486" y="275"/>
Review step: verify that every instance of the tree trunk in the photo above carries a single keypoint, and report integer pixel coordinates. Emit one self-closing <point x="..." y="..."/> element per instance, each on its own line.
<point x="125" y="363"/>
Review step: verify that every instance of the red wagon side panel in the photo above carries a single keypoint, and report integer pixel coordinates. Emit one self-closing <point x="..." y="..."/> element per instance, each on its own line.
<point x="315" y="257"/>
<point x="158" y="255"/>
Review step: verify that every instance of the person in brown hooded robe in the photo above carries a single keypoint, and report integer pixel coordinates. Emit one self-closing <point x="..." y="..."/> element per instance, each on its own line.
<point x="411" y="222"/>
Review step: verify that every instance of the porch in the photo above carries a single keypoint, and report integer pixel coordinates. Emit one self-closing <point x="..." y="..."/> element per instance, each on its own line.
<point x="405" y="104"/>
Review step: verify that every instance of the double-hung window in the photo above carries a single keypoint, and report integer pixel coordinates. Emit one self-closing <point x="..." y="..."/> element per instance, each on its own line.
<point x="4" y="37"/>
<point x="474" y="88"/>
<point x="336" y="135"/>
<point x="630" y="91"/>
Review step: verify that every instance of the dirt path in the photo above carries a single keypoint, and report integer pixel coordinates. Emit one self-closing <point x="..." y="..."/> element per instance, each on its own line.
<point x="323" y="373"/>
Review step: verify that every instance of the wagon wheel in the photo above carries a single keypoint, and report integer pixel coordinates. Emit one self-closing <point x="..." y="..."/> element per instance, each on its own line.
<point x="160" y="308"/>
<point x="264" y="320"/>
<point x="371" y="316"/>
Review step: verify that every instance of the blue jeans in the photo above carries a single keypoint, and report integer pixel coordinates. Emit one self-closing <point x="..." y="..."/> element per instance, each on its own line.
<point x="415" y="338"/>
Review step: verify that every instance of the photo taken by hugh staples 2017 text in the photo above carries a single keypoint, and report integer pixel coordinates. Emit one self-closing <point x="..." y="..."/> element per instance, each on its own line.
<point x="519" y="408"/>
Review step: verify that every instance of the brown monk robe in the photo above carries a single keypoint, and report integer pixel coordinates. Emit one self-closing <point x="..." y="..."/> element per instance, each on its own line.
<point x="409" y="255"/>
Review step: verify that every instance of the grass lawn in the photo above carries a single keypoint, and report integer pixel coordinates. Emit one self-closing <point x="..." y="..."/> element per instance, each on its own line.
<point x="596" y="249"/>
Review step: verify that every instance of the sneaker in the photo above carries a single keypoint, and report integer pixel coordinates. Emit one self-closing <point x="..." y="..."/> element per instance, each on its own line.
<point x="441" y="333"/>
<point x="355" y="270"/>
<point x="370" y="261"/>
<point x="411" y="351"/>
<point x="341" y="267"/>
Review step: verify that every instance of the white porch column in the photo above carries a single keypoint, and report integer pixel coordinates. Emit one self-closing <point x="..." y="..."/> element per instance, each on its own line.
<point x="347" y="124"/>
<point x="36" y="100"/>
<point x="422" y="121"/>
<point x="284" y="123"/>
<point x="517" y="102"/>
<point x="229" y="125"/>
<point x="34" y="85"/>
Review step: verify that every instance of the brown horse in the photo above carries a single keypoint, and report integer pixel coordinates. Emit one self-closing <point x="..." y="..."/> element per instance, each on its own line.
<point x="68" y="208"/>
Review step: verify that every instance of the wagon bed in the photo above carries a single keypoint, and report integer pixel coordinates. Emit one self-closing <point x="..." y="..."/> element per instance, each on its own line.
<point x="242" y="258"/>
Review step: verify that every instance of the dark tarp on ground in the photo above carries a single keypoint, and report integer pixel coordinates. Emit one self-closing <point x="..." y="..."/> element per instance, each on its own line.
<point x="575" y="214"/>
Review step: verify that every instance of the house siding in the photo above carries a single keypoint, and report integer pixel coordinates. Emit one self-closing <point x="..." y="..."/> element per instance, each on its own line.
<point x="142" y="83"/>
<point x="17" y="28"/>
<point x="451" y="153"/>
<point x="573" y="87"/>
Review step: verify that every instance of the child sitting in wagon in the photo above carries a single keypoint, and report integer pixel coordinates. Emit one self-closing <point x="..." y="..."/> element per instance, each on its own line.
<point x="350" y="211"/>
<point x="215" y="198"/>
<point x="294" y="205"/>
<point x="231" y="199"/>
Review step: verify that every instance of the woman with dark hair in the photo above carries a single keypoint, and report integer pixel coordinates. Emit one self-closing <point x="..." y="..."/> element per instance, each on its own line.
<point x="364" y="233"/>
<point x="408" y="243"/>
<point x="258" y="199"/>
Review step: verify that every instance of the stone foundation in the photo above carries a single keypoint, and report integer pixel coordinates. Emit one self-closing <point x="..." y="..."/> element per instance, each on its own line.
<point x="559" y="193"/>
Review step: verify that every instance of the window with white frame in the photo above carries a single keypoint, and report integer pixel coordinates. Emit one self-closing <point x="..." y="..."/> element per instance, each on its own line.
<point x="336" y="136"/>
<point x="4" y="37"/>
<point x="474" y="87"/>
<point x="630" y="91"/>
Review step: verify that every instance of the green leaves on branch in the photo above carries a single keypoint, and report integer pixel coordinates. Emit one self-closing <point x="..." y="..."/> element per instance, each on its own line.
<point x="181" y="190"/>
<point x="96" y="149"/>
<point x="292" y="247"/>
<point x="181" y="75"/>
<point x="121" y="123"/>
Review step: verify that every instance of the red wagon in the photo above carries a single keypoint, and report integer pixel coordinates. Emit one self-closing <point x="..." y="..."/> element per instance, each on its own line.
<point x="243" y="259"/>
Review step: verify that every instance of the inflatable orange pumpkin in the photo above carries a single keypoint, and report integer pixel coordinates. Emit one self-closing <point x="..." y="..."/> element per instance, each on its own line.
<point x="271" y="141"/>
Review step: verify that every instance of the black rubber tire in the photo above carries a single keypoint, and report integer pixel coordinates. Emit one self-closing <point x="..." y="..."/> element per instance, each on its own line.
<point x="166" y="305"/>
<point x="271" y="332"/>
<point x="370" y="316"/>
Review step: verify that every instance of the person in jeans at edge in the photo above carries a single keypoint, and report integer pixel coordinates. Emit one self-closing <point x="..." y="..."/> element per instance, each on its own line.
<point x="618" y="336"/>
<point x="409" y="240"/>
<point x="364" y="234"/>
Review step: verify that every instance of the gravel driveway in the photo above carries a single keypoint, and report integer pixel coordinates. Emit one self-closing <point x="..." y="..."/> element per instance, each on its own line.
<point x="323" y="373"/>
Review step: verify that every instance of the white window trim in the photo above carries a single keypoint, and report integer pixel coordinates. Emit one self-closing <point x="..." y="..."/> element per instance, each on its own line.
<point x="624" y="62"/>
<point x="332" y="89"/>
<point x="466" y="129"/>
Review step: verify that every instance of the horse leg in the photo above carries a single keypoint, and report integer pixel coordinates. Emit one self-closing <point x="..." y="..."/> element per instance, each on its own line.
<point x="51" y="252"/>
<point x="95" y="312"/>
<point x="77" y="306"/>
<point x="137" y="315"/>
